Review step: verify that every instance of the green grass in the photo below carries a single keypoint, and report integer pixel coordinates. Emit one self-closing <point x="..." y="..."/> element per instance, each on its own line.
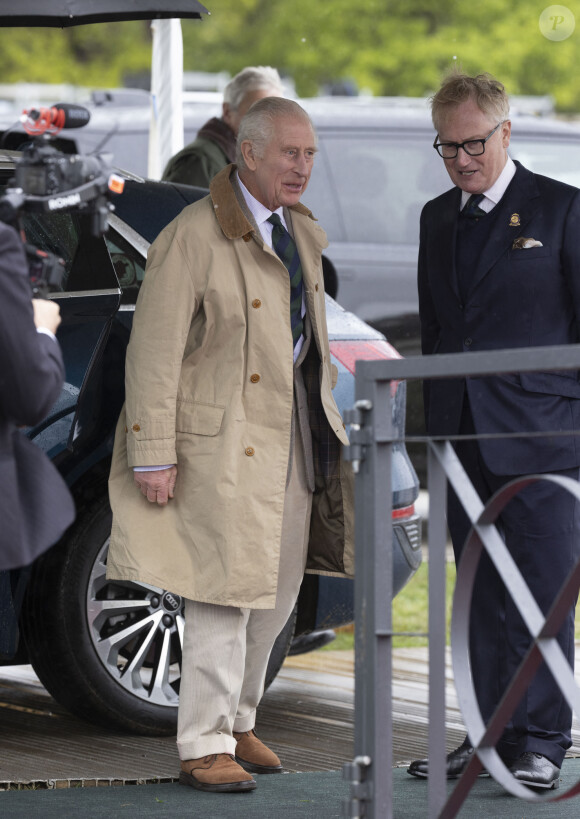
<point x="410" y="608"/>
<point x="344" y="640"/>
<point x="411" y="605"/>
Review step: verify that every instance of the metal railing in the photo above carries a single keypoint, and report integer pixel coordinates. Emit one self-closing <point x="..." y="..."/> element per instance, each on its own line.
<point x="370" y="772"/>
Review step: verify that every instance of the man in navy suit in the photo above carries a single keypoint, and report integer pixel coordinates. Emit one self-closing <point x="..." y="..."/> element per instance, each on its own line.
<point x="499" y="267"/>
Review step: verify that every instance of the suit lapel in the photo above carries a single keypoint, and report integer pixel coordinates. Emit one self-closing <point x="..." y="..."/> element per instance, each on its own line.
<point x="441" y="237"/>
<point x="510" y="216"/>
<point x="446" y="239"/>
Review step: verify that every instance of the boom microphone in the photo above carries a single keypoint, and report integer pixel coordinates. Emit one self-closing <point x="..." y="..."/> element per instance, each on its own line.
<point x="52" y="120"/>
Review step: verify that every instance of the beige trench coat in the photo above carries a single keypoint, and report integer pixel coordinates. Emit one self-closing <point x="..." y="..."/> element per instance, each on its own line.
<point x="209" y="387"/>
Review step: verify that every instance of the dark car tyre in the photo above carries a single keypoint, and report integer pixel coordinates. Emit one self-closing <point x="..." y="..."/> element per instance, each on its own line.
<point x="109" y="652"/>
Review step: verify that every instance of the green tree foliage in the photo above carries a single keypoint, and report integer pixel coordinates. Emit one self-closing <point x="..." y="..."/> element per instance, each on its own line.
<point x="96" y="55"/>
<point x="390" y="47"/>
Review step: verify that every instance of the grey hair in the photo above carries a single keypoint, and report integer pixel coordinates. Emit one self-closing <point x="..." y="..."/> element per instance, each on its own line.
<point x="252" y="78"/>
<point x="257" y="126"/>
<point x="488" y="93"/>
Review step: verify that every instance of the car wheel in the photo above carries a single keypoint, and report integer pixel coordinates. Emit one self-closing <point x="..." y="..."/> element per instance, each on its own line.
<point x="107" y="651"/>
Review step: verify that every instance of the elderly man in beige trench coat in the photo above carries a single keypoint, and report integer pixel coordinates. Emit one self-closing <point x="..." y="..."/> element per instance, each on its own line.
<point x="235" y="423"/>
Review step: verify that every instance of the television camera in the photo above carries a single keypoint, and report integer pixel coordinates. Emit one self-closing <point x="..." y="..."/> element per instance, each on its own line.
<point x="47" y="180"/>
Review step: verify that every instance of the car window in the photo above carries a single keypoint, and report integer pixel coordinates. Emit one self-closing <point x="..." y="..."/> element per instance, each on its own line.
<point x="87" y="265"/>
<point x="321" y="196"/>
<point x="382" y="184"/>
<point x="552" y="157"/>
<point x="129" y="265"/>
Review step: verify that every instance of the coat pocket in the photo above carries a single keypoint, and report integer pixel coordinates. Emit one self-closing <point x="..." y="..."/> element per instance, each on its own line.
<point x="197" y="418"/>
<point x="529" y="254"/>
<point x="563" y="384"/>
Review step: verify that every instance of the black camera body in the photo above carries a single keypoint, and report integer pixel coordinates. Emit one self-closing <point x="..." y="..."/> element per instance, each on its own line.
<point x="45" y="171"/>
<point x="47" y="180"/>
<point x="45" y="271"/>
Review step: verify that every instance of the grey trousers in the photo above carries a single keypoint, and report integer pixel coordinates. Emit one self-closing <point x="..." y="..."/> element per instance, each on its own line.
<point x="226" y="649"/>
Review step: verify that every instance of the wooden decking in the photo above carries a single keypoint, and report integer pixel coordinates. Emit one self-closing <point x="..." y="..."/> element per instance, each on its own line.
<point x="307" y="716"/>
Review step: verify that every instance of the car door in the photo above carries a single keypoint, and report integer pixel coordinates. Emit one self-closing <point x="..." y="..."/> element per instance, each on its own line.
<point x="88" y="297"/>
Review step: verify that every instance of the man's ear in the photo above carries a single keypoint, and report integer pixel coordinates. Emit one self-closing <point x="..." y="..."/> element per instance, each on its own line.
<point x="506" y="130"/>
<point x="248" y="153"/>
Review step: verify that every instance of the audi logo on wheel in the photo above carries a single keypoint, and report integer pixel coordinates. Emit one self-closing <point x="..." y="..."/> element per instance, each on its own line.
<point x="171" y="602"/>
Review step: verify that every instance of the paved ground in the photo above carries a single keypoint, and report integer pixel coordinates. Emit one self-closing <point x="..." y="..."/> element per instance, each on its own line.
<point x="307" y="716"/>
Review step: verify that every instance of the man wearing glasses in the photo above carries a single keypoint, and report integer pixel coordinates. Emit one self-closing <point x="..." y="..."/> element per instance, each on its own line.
<point x="499" y="267"/>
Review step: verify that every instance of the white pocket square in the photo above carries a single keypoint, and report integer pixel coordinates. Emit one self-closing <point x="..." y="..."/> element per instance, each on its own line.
<point x="521" y="243"/>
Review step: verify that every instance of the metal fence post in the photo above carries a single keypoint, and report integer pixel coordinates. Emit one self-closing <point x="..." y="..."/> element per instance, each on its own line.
<point x="371" y="451"/>
<point x="437" y="484"/>
<point x="370" y="772"/>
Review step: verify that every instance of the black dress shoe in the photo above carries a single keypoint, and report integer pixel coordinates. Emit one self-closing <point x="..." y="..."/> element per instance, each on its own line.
<point x="536" y="770"/>
<point x="457" y="762"/>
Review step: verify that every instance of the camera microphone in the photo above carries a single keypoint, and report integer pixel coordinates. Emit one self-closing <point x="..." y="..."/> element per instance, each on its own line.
<point x="52" y="120"/>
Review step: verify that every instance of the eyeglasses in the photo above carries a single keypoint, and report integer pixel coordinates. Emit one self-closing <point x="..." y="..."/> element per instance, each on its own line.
<point x="473" y="147"/>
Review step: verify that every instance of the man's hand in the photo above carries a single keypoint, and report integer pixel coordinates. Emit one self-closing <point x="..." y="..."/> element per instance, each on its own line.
<point x="157" y="486"/>
<point x="46" y="314"/>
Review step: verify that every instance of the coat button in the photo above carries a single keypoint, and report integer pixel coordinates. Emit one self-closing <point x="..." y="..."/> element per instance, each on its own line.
<point x="254" y="378"/>
<point x="249" y="450"/>
<point x="468" y="342"/>
<point x="316" y="287"/>
<point x="136" y="427"/>
<point x="256" y="303"/>
<point x="126" y="430"/>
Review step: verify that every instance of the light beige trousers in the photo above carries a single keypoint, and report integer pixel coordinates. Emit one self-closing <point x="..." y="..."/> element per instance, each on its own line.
<point x="226" y="649"/>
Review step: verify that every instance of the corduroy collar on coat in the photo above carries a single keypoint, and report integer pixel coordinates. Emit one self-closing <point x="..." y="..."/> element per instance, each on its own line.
<point x="228" y="212"/>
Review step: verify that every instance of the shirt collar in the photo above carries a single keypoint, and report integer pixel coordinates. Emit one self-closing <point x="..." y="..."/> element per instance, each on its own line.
<point x="492" y="196"/>
<point x="260" y="213"/>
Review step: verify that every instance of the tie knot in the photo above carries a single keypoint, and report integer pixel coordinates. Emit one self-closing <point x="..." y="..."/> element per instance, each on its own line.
<point x="274" y="219"/>
<point x="471" y="207"/>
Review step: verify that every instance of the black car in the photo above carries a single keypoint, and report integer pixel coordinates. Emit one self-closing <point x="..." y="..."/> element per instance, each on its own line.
<point x="110" y="652"/>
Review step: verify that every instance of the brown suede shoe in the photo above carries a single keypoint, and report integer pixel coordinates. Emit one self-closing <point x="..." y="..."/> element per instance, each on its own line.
<point x="217" y="773"/>
<point x="254" y="756"/>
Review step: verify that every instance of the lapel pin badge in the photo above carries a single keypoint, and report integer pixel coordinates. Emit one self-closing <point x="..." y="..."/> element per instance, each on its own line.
<point x="515" y="220"/>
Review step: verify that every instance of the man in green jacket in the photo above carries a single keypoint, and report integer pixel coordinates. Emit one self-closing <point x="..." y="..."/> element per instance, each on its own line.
<point x="215" y="144"/>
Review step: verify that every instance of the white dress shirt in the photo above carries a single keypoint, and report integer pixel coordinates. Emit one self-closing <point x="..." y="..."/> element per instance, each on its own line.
<point x="492" y="196"/>
<point x="46" y="332"/>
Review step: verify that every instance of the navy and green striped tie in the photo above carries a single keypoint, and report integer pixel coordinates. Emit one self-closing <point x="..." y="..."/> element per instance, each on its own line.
<point x="471" y="208"/>
<point x="286" y="249"/>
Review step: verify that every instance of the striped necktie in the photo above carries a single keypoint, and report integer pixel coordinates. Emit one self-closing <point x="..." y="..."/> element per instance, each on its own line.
<point x="286" y="249"/>
<point x="471" y="208"/>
